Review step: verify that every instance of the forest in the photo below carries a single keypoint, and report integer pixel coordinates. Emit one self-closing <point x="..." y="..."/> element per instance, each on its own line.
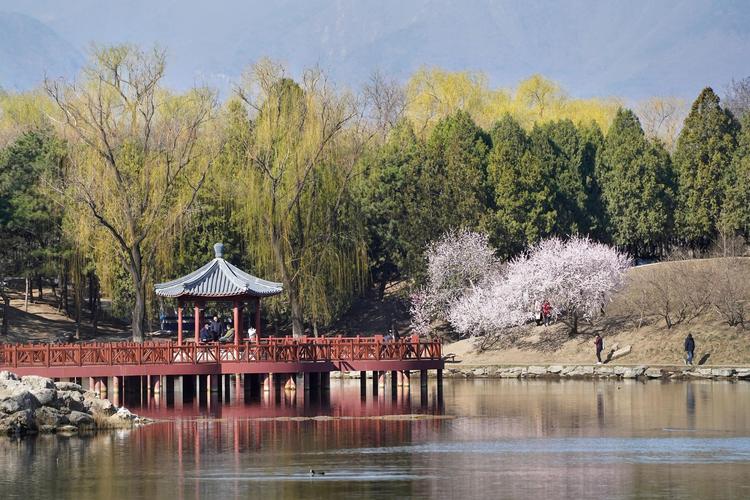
<point x="113" y="182"/>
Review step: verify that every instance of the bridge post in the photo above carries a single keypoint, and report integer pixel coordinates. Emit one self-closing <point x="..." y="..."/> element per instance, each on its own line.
<point x="394" y="381"/>
<point x="215" y="383"/>
<point x="406" y="379"/>
<point x="375" y="383"/>
<point x="363" y="384"/>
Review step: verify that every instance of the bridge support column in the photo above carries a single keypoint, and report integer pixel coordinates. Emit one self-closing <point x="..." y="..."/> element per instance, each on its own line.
<point x="215" y="382"/>
<point x="375" y="377"/>
<point x="381" y="379"/>
<point x="291" y="382"/>
<point x="405" y="379"/>
<point x="265" y="381"/>
<point x="325" y="381"/>
<point x="227" y="386"/>
<point x="363" y="384"/>
<point x="394" y="382"/>
<point x="169" y="388"/>
<point x="103" y="387"/>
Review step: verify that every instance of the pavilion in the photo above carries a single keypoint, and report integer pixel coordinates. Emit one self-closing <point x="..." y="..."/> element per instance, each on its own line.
<point x="218" y="281"/>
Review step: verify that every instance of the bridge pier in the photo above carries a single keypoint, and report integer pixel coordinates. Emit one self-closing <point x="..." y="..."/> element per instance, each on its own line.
<point x="363" y="385"/>
<point x="375" y="377"/>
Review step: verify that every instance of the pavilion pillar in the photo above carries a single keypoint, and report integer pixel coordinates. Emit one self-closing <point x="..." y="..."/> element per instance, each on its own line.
<point x="179" y="322"/>
<point x="237" y="323"/>
<point x="257" y="317"/>
<point x="198" y="317"/>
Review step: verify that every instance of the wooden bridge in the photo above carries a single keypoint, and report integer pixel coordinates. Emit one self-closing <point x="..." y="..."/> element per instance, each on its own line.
<point x="284" y="360"/>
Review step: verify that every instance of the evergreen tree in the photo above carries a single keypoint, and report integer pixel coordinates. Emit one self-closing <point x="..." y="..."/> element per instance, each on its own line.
<point x="386" y="207"/>
<point x="449" y="188"/>
<point x="702" y="161"/>
<point x="638" y="187"/>
<point x="735" y="214"/>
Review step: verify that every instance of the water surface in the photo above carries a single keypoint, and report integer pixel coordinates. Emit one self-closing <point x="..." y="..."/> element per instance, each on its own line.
<point x="482" y="439"/>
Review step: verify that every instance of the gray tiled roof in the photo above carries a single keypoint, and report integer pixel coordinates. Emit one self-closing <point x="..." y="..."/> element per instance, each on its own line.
<point x="218" y="278"/>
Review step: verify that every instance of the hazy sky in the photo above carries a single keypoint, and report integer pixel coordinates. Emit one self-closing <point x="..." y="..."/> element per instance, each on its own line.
<point x="594" y="48"/>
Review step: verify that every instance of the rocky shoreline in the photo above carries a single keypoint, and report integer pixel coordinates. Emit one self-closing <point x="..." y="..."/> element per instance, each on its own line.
<point x="642" y="372"/>
<point x="33" y="404"/>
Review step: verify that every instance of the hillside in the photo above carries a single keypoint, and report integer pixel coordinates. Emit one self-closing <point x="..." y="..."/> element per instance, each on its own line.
<point x="632" y="318"/>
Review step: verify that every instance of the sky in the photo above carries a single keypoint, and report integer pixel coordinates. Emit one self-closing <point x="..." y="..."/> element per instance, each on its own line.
<point x="631" y="49"/>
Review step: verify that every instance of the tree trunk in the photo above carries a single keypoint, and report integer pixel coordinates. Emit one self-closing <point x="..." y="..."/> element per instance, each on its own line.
<point x="139" y="312"/>
<point x="78" y="299"/>
<point x="64" y="291"/>
<point x="26" y="295"/>
<point x="93" y="305"/>
<point x="296" y="307"/>
<point x="39" y="286"/>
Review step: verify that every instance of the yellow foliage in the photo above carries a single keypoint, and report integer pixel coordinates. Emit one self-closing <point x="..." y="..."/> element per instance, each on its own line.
<point x="433" y="94"/>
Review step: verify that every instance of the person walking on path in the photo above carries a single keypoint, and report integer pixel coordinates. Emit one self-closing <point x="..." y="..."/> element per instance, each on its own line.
<point x="599" y="343"/>
<point x="689" y="348"/>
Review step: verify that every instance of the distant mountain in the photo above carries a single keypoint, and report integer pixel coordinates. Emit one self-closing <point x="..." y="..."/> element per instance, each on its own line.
<point x="29" y="50"/>
<point x="630" y="48"/>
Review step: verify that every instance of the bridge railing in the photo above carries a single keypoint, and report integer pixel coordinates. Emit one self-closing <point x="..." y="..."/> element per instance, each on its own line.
<point x="264" y="350"/>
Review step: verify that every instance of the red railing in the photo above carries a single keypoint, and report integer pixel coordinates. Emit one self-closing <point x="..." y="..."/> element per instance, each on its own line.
<point x="264" y="350"/>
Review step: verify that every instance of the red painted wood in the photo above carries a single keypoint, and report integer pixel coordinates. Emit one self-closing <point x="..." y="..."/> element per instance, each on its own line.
<point x="273" y="355"/>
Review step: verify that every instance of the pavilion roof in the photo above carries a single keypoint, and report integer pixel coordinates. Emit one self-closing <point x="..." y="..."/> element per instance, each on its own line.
<point x="218" y="278"/>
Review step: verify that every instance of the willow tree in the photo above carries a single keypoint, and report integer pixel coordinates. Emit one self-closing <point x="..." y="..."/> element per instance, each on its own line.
<point x="137" y="160"/>
<point x="306" y="140"/>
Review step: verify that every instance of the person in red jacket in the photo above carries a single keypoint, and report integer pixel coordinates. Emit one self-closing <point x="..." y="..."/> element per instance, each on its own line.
<point x="546" y="313"/>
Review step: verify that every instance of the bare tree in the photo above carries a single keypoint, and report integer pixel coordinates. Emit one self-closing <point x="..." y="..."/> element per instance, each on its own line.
<point x="731" y="290"/>
<point x="386" y="100"/>
<point x="737" y="97"/>
<point x="661" y="118"/>
<point x="137" y="159"/>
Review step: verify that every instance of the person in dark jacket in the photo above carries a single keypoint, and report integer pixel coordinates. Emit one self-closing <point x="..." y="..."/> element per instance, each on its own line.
<point x="205" y="335"/>
<point x="217" y="328"/>
<point x="599" y="344"/>
<point x="689" y="348"/>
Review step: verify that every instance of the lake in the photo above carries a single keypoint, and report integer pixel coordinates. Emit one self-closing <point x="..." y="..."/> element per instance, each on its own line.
<point x="481" y="439"/>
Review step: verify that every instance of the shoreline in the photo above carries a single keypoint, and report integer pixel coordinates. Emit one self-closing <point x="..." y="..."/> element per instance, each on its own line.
<point x="595" y="372"/>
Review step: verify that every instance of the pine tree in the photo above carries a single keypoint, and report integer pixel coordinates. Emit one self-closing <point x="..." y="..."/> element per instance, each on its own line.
<point x="702" y="161"/>
<point x="637" y="187"/>
<point x="735" y="214"/>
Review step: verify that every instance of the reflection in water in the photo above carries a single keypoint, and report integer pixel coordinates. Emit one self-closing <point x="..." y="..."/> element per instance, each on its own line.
<point x="484" y="439"/>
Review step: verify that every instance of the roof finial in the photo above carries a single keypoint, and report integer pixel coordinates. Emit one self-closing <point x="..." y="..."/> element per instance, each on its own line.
<point x="219" y="250"/>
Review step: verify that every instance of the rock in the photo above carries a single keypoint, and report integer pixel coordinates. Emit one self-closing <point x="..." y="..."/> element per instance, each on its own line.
<point x="555" y="369"/>
<point x="536" y="370"/>
<point x="582" y="371"/>
<point x="653" y="373"/>
<point x="47" y="429"/>
<point x="22" y="400"/>
<point x="514" y="372"/>
<point x="68" y="386"/>
<point x="722" y="372"/>
<point x="67" y="429"/>
<point x="618" y="353"/>
<point x="79" y="418"/>
<point x="45" y="396"/>
<point x="479" y="372"/>
<point x="567" y="370"/>
<point x="72" y="400"/>
<point x="102" y="407"/>
<point x="50" y="416"/>
<point x="743" y="373"/>
<point x="604" y="371"/>
<point x="20" y="422"/>
<point x="6" y="375"/>
<point x="620" y="370"/>
<point x="36" y="382"/>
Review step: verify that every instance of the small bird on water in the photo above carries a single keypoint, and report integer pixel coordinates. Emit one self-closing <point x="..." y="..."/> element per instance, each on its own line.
<point x="317" y="472"/>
